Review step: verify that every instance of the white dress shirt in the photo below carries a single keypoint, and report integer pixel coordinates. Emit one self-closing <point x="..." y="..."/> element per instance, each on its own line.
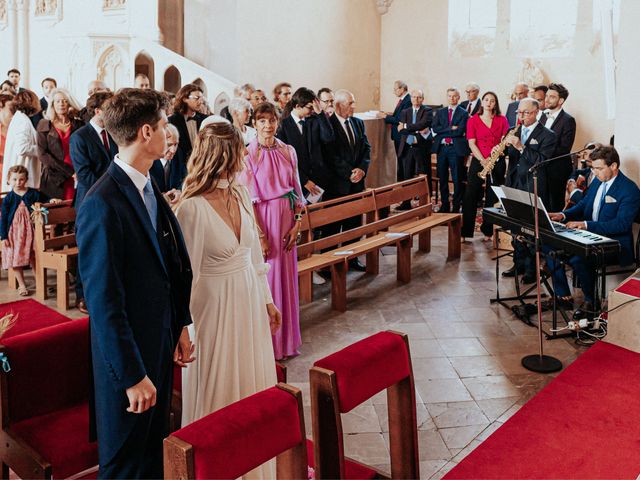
<point x="551" y="117"/>
<point x="604" y="187"/>
<point x="296" y="119"/>
<point x="344" y="127"/>
<point x="138" y="179"/>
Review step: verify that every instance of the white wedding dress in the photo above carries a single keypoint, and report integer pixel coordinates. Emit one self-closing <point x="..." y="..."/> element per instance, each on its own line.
<point x="234" y="352"/>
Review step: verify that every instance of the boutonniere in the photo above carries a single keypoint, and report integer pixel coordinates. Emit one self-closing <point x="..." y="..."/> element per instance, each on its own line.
<point x="610" y="199"/>
<point x="533" y="141"/>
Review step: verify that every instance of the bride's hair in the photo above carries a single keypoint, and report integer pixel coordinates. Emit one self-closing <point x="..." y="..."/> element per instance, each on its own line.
<point x="218" y="152"/>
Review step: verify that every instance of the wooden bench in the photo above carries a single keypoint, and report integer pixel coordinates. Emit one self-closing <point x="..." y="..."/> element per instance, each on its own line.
<point x="55" y="248"/>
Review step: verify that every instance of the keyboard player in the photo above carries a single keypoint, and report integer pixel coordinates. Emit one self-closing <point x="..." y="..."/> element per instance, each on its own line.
<point x="609" y="208"/>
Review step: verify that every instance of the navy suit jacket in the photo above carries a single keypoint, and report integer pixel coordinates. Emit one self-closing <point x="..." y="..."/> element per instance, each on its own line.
<point x="90" y="159"/>
<point x="564" y="126"/>
<point x="184" y="143"/>
<point x="341" y="158"/>
<point x="177" y="172"/>
<point x="616" y="216"/>
<point x="317" y="132"/>
<point x="442" y="129"/>
<point x="512" y="113"/>
<point x="394" y="118"/>
<point x="475" y="108"/>
<point x="137" y="309"/>
<point x="424" y="118"/>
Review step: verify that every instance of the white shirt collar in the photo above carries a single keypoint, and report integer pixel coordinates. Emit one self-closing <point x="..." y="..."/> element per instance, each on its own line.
<point x="295" y="117"/>
<point x="96" y="127"/>
<point x="138" y="179"/>
<point x="342" y="120"/>
<point x="405" y="94"/>
<point x="551" y="114"/>
<point x="530" y="127"/>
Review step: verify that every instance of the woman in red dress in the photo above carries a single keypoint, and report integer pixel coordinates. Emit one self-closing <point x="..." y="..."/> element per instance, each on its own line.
<point x="54" y="132"/>
<point x="485" y="130"/>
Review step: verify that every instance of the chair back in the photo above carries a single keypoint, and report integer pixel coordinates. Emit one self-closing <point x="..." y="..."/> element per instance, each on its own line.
<point x="344" y="380"/>
<point x="234" y="440"/>
<point x="56" y="230"/>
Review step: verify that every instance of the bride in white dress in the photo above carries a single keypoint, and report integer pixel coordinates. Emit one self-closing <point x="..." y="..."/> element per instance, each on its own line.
<point x="231" y="305"/>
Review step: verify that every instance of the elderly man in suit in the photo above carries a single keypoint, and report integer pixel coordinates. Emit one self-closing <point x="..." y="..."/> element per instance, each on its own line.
<point x="187" y="117"/>
<point x="472" y="103"/>
<point x="415" y="141"/>
<point x="347" y="159"/>
<point x="609" y="208"/>
<point x="169" y="171"/>
<point x="401" y="91"/>
<point x="137" y="274"/>
<point x="520" y="91"/>
<point x="450" y="126"/>
<point x="91" y="149"/>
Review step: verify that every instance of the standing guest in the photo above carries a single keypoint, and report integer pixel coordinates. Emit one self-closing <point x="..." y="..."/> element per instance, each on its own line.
<point x="7" y="87"/>
<point x="91" y="149"/>
<point x="401" y="91"/>
<point x="484" y="131"/>
<point x="520" y="91"/>
<point x="257" y="97"/>
<point x="187" y="117"/>
<point x="21" y="147"/>
<point x="169" y="171"/>
<point x="450" y="124"/>
<point x="142" y="81"/>
<point x="54" y="135"/>
<point x="325" y="95"/>
<point x="48" y="85"/>
<point x="16" y="230"/>
<point x="237" y="93"/>
<point x="240" y="111"/>
<point x="347" y="159"/>
<point x="415" y="141"/>
<point x="564" y="126"/>
<point x="539" y="93"/>
<point x="271" y="176"/>
<point x="281" y="96"/>
<point x="233" y="311"/>
<point x="6" y="114"/>
<point x="472" y="103"/>
<point x="13" y="76"/>
<point x="246" y="90"/>
<point x="137" y="275"/>
<point x="94" y="86"/>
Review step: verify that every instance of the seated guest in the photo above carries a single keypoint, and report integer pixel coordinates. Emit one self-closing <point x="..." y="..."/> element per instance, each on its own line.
<point x="48" y="85"/>
<point x="281" y="96"/>
<point x="169" y="172"/>
<point x="609" y="209"/>
<point x="142" y="81"/>
<point x="415" y="141"/>
<point x="240" y="111"/>
<point x="187" y="117"/>
<point x="54" y="134"/>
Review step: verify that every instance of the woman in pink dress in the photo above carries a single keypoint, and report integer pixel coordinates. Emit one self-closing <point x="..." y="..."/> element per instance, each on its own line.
<point x="271" y="175"/>
<point x="485" y="130"/>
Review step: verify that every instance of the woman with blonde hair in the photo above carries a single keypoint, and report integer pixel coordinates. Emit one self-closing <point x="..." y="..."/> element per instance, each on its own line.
<point x="231" y="305"/>
<point x="54" y="134"/>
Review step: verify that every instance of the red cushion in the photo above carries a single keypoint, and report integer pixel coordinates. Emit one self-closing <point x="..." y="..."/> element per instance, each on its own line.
<point x="367" y="367"/>
<point x="32" y="316"/>
<point x="352" y="469"/>
<point x="49" y="369"/>
<point x="62" y="438"/>
<point x="177" y="378"/>
<point x="236" y="439"/>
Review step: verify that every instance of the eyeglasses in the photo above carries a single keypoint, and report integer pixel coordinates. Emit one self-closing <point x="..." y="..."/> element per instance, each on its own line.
<point x="526" y="112"/>
<point x="308" y="106"/>
<point x="329" y="102"/>
<point x="195" y="97"/>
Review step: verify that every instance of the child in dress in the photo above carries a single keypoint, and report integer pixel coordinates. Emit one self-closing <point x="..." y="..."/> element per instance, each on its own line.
<point x="16" y="231"/>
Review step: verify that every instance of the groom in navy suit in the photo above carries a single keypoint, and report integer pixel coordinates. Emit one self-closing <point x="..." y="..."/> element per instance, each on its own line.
<point x="609" y="209"/>
<point x="137" y="279"/>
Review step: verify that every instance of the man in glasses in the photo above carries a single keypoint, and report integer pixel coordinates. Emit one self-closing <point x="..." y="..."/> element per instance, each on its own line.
<point x="325" y="95"/>
<point x="187" y="117"/>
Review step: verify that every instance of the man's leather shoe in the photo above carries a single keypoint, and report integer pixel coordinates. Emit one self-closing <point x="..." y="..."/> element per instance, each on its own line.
<point x="357" y="265"/>
<point x="82" y="306"/>
<point x="560" y="303"/>
<point x="406" y="205"/>
<point x="528" y="278"/>
<point x="512" y="272"/>
<point x="585" y="311"/>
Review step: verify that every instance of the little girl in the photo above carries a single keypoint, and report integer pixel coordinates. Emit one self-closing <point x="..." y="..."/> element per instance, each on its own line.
<point x="16" y="231"/>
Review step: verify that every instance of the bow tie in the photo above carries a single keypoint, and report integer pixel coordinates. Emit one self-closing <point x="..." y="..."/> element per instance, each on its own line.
<point x="191" y="118"/>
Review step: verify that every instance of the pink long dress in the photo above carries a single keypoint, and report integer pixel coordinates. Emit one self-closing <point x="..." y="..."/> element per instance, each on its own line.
<point x="270" y="174"/>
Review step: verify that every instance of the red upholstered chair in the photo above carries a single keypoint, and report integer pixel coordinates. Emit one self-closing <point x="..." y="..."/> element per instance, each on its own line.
<point x="45" y="412"/>
<point x="238" y="438"/>
<point x="345" y="379"/>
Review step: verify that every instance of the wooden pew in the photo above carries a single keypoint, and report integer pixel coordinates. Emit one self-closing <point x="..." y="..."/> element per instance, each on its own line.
<point x="55" y="248"/>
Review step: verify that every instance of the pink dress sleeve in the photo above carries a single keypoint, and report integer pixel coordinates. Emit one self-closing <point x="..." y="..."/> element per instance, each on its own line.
<point x="295" y="180"/>
<point x="471" y="127"/>
<point x="247" y="179"/>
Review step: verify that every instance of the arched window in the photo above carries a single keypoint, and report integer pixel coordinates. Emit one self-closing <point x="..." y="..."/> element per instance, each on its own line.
<point x="172" y="80"/>
<point x="144" y="64"/>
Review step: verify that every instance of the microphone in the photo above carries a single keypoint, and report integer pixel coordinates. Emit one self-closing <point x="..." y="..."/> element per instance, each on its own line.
<point x="590" y="146"/>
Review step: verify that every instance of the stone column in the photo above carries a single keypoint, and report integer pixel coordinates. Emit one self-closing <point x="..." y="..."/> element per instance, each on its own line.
<point x="12" y="25"/>
<point x="22" y="37"/>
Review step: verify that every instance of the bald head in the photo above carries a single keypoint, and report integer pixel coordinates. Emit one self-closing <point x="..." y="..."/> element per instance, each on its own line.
<point x="344" y="102"/>
<point x="97" y="86"/>
<point x="520" y="91"/>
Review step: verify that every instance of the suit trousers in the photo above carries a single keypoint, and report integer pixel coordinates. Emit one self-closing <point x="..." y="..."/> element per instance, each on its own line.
<point x="449" y="160"/>
<point x="411" y="161"/>
<point x="473" y="194"/>
<point x="583" y="270"/>
<point x="557" y="176"/>
<point x="343" y="225"/>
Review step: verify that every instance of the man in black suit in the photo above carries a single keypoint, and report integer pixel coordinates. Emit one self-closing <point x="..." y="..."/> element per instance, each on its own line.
<point x="415" y="141"/>
<point x="187" y="117"/>
<point x="535" y="144"/>
<point x="472" y="103"/>
<point x="169" y="172"/>
<point x="48" y="85"/>
<point x="348" y="158"/>
<point x="564" y="126"/>
<point x="136" y="269"/>
<point x="520" y="91"/>
<point x="91" y="149"/>
<point x="307" y="129"/>
<point x="450" y="126"/>
<point x="401" y="91"/>
<point x="13" y="76"/>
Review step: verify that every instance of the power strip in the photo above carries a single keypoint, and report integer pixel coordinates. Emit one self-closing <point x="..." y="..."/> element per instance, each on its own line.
<point x="580" y="324"/>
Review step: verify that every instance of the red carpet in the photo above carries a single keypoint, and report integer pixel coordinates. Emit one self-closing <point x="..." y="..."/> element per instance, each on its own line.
<point x="584" y="424"/>
<point x="32" y="316"/>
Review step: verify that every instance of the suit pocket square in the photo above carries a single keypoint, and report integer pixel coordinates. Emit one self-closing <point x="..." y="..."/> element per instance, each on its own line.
<point x="610" y="199"/>
<point x="533" y="142"/>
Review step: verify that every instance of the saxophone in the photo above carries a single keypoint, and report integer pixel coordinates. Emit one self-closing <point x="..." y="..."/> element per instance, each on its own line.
<point x="496" y="154"/>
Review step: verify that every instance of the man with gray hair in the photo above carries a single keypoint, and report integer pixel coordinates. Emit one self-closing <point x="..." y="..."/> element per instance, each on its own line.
<point x="401" y="91"/>
<point x="472" y="103"/>
<point x="520" y="91"/>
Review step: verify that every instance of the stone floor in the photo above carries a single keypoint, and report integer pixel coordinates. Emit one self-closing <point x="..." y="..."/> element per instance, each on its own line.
<point x="465" y="351"/>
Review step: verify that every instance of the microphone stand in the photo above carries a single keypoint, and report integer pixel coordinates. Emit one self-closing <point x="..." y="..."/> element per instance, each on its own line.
<point x="539" y="362"/>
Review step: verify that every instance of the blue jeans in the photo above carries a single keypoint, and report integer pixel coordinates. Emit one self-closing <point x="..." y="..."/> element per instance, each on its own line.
<point x="449" y="160"/>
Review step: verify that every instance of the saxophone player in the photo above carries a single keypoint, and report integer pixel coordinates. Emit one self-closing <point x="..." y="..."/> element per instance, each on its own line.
<point x="485" y="130"/>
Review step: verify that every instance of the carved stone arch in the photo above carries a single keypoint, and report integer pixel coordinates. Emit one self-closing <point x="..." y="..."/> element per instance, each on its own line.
<point x="172" y="79"/>
<point x="203" y="86"/>
<point x="221" y="101"/>
<point x="77" y="70"/>
<point x="111" y="67"/>
<point x="144" y="64"/>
